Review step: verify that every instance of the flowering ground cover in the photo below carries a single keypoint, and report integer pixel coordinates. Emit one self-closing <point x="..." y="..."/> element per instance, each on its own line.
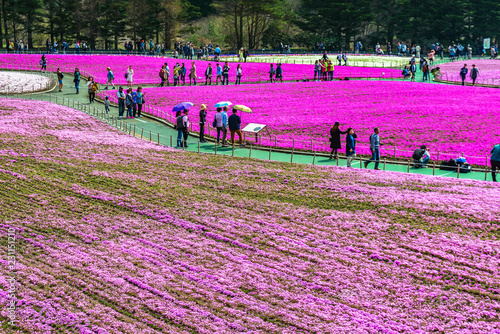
<point x="117" y="235"/>
<point x="147" y="68"/>
<point x="353" y="59"/>
<point x="489" y="71"/>
<point x="448" y="119"/>
<point x="12" y="82"/>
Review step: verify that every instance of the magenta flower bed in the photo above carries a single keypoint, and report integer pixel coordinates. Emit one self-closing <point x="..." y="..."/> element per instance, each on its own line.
<point x="146" y="69"/>
<point x="489" y="71"/>
<point x="448" y="119"/>
<point x="118" y="235"/>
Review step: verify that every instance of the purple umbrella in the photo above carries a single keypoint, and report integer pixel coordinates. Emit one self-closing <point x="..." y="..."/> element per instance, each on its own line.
<point x="182" y="106"/>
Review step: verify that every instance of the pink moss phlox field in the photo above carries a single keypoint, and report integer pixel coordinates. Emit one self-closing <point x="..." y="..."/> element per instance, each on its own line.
<point x="147" y="68"/>
<point x="117" y="235"/>
<point x="448" y="119"/>
<point x="489" y="71"/>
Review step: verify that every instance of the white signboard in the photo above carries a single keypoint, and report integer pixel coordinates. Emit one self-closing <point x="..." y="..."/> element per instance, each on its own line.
<point x="487" y="43"/>
<point x="254" y="128"/>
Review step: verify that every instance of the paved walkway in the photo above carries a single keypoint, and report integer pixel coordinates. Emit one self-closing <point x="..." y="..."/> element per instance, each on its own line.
<point x="157" y="131"/>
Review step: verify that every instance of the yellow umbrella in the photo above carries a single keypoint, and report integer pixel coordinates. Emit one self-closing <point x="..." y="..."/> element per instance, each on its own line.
<point x="242" y="108"/>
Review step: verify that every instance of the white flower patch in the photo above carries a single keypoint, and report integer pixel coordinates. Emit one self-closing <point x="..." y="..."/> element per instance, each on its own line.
<point x="13" y="83"/>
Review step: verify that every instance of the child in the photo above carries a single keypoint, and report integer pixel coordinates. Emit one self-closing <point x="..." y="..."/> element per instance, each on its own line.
<point x="106" y="104"/>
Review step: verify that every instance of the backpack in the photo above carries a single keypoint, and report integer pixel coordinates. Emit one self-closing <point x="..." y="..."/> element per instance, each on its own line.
<point x="126" y="75"/>
<point x="418" y="154"/>
<point x="179" y="123"/>
<point x="62" y="75"/>
<point x="95" y="87"/>
<point x="161" y="74"/>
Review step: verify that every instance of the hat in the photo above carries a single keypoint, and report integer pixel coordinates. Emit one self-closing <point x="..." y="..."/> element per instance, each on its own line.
<point x="203" y="107"/>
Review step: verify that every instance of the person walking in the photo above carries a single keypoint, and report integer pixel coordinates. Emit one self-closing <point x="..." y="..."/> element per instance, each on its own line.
<point x="413" y="70"/>
<point x="183" y="74"/>
<point x="91" y="89"/>
<point x="110" y="77"/>
<point x="167" y="74"/>
<point x="495" y="161"/>
<point x="375" y="148"/>
<point x="219" y="74"/>
<point x="225" y="73"/>
<point x="350" y="147"/>
<point x="162" y="76"/>
<point x="335" y="133"/>
<point x="272" y="72"/>
<point x="208" y="75"/>
<point x="203" y="119"/>
<point x="179" y="125"/>
<point x="60" y="77"/>
<point x="425" y="71"/>
<point x="218" y="123"/>
<point x="76" y="80"/>
<point x="224" y="126"/>
<point x="185" y="128"/>
<point x="239" y="73"/>
<point x="234" y="122"/>
<point x="192" y="74"/>
<point x="463" y="74"/>
<point x="121" y="102"/>
<point x="129" y="103"/>
<point x="106" y="104"/>
<point x="130" y="76"/>
<point x="279" y="73"/>
<point x="140" y="101"/>
<point x="474" y="72"/>
<point x="43" y="63"/>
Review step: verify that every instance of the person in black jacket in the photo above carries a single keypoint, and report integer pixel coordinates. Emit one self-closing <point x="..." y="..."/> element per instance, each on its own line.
<point x="203" y="118"/>
<point x="234" y="122"/>
<point x="463" y="74"/>
<point x="335" y="139"/>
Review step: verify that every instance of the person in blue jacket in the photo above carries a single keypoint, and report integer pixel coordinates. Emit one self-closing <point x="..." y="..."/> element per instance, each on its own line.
<point x="350" y="148"/>
<point x="495" y="161"/>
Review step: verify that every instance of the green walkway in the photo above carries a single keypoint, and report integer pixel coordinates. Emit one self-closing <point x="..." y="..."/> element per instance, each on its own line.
<point x="157" y="131"/>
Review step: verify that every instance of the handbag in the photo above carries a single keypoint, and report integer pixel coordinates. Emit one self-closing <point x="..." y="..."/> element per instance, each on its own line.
<point x="214" y="123"/>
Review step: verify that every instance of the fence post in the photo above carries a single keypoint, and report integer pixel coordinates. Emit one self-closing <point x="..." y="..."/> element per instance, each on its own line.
<point x="158" y="138"/>
<point x="434" y="168"/>
<point x="150" y="135"/>
<point x="198" y="147"/>
<point x="171" y="141"/>
<point x="458" y="171"/>
<point x="314" y="158"/>
<point x="408" y="165"/>
<point x="215" y="148"/>
<point x="142" y="133"/>
<point x="250" y="152"/>
<point x="486" y="172"/>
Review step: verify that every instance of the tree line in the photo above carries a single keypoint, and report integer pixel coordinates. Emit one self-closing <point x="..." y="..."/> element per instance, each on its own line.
<point x="253" y="24"/>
